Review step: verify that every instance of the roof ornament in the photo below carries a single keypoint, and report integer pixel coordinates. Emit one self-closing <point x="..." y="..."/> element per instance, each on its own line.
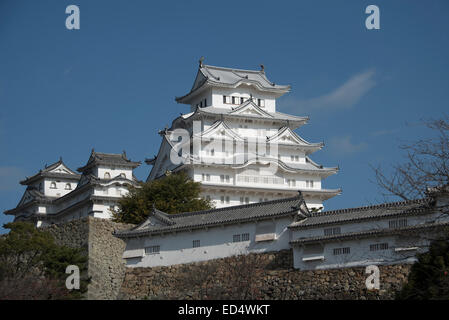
<point x="262" y="68"/>
<point x="60" y="158"/>
<point x="251" y="96"/>
<point x="201" y="62"/>
<point x="124" y="154"/>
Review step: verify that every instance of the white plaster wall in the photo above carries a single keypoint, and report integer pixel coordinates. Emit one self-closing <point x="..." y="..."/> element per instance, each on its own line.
<point x="360" y="254"/>
<point x="60" y="187"/>
<point x="114" y="172"/>
<point x="243" y="91"/>
<point x="215" y="243"/>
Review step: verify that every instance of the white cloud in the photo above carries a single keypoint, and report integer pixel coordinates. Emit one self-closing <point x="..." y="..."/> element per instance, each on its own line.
<point x="10" y="177"/>
<point x="344" y="146"/>
<point x="345" y="96"/>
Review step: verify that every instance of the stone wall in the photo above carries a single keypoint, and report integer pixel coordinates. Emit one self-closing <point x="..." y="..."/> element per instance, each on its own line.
<point x="255" y="276"/>
<point x="106" y="265"/>
<point x="106" y="268"/>
<point x="262" y="276"/>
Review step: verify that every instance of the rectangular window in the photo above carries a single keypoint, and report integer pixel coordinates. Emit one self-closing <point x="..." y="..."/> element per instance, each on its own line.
<point x="196" y="243"/>
<point x="378" y="246"/>
<point x="236" y="238"/>
<point x="205" y="102"/>
<point x="245" y="237"/>
<point x="332" y="231"/>
<point x="340" y="251"/>
<point x="222" y="199"/>
<point x="241" y="200"/>
<point x="222" y="178"/>
<point x="152" y="250"/>
<point x="207" y="177"/>
<point x="242" y="100"/>
<point x="228" y="199"/>
<point x="234" y="100"/>
<point x="224" y="99"/>
<point x="397" y="223"/>
<point x="246" y="200"/>
<point x="227" y="178"/>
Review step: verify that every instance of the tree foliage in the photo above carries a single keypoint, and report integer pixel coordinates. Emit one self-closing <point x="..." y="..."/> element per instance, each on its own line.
<point x="429" y="276"/>
<point x="173" y="193"/>
<point x="32" y="265"/>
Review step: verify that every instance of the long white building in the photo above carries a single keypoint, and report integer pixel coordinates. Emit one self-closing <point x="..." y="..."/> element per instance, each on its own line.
<point x="382" y="234"/>
<point x="57" y="194"/>
<point x="235" y="142"/>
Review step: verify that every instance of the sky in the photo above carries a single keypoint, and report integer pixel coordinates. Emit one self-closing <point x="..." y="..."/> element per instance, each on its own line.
<point x="111" y="84"/>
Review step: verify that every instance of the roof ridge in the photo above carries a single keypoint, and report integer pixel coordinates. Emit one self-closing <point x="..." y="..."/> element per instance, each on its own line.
<point x="375" y="206"/>
<point x="231" y="69"/>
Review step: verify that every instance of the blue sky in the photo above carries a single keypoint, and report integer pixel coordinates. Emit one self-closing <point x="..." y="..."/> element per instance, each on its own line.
<point x="111" y="85"/>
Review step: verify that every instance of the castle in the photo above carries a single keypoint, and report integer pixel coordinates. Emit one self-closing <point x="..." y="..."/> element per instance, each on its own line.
<point x="258" y="173"/>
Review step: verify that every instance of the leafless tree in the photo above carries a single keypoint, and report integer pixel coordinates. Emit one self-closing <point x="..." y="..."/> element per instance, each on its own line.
<point x="426" y="165"/>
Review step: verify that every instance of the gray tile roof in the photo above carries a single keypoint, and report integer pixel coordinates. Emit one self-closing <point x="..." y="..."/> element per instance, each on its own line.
<point x="364" y="213"/>
<point x="231" y="78"/>
<point x="216" y="217"/>
<point x="97" y="158"/>
<point x="275" y="115"/>
<point x="369" y="233"/>
<point x="46" y="172"/>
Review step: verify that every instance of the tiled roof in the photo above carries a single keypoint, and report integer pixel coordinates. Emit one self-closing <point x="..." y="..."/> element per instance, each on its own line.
<point x="369" y="233"/>
<point x="364" y="213"/>
<point x="97" y="158"/>
<point x="231" y="78"/>
<point x="274" y="116"/>
<point x="216" y="217"/>
<point x="47" y="172"/>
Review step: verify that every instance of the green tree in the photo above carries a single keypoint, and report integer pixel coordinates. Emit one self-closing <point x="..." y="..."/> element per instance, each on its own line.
<point x="173" y="193"/>
<point x="32" y="265"/>
<point x="429" y="276"/>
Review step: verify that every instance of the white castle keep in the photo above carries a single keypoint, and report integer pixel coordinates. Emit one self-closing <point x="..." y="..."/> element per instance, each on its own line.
<point x="238" y="145"/>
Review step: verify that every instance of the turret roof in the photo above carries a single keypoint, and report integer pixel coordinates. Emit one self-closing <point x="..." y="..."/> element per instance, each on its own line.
<point x="213" y="76"/>
<point x="113" y="159"/>
<point x="50" y="171"/>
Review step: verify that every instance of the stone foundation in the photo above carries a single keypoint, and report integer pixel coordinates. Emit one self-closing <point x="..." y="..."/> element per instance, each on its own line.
<point x="269" y="276"/>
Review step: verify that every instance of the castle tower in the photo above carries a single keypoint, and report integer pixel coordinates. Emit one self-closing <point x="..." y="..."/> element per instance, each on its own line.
<point x="237" y="145"/>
